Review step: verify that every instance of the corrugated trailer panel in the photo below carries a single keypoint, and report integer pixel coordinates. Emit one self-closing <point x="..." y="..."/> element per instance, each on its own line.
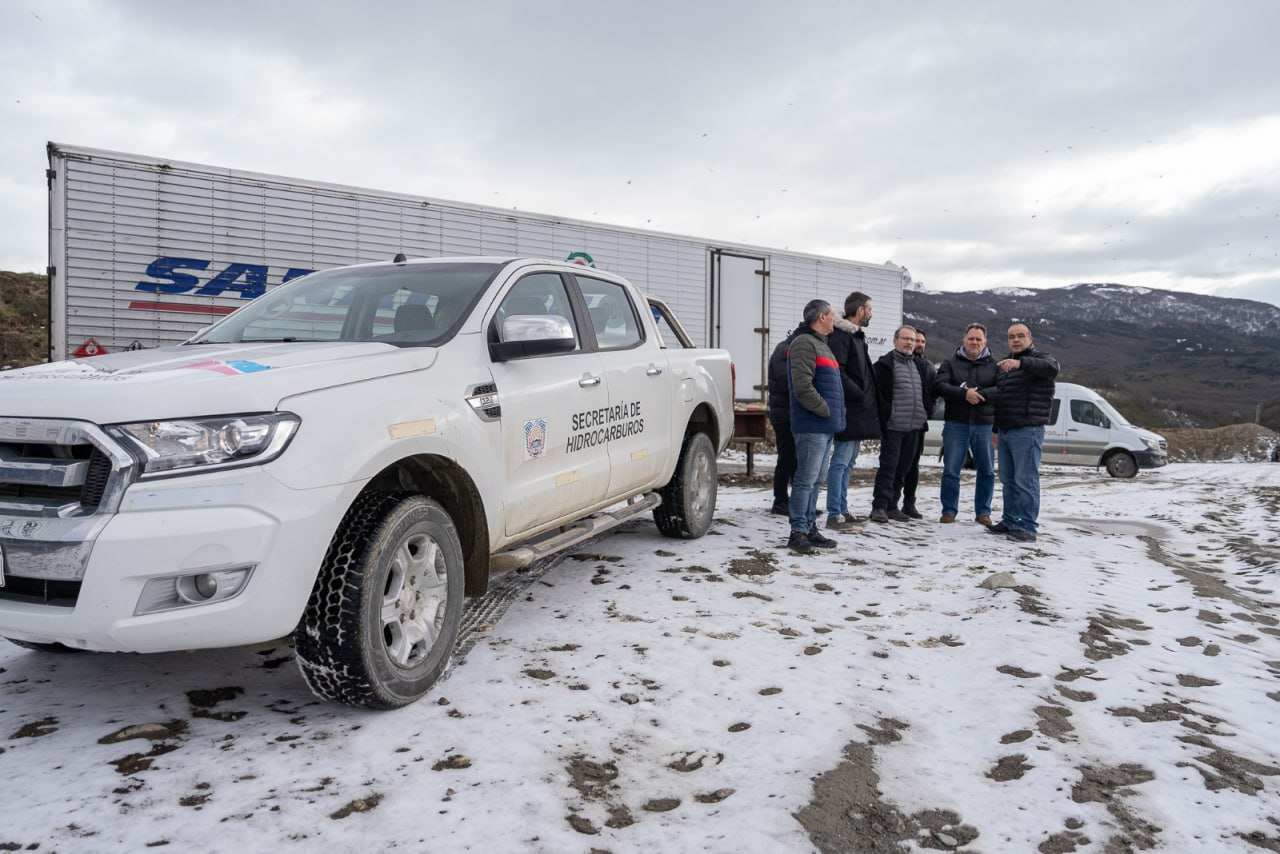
<point x="118" y="221"/>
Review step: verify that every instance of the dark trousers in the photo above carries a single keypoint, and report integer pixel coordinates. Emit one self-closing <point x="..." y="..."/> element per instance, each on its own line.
<point x="912" y="477"/>
<point x="897" y="452"/>
<point x="785" y="470"/>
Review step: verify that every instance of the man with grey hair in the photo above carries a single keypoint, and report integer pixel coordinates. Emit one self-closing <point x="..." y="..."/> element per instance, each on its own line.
<point x="901" y="402"/>
<point x="817" y="414"/>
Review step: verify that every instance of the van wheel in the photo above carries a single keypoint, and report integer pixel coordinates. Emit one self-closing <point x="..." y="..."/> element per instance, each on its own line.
<point x="689" y="499"/>
<point x="1121" y="464"/>
<point x="384" y="615"/>
<point x="55" y="648"/>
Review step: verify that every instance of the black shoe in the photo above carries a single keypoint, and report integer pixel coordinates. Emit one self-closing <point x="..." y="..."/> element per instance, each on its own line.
<point x="910" y="510"/>
<point x="897" y="515"/>
<point x="842" y="522"/>
<point x="878" y="516"/>
<point x="1022" y="536"/>
<point x="815" y="537"/>
<point x="998" y="528"/>
<point x="799" y="543"/>
<point x="781" y="508"/>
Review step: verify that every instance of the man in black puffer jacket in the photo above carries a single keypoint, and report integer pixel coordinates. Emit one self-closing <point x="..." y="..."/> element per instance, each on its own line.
<point x="1024" y="404"/>
<point x="967" y="382"/>
<point x="780" y="418"/>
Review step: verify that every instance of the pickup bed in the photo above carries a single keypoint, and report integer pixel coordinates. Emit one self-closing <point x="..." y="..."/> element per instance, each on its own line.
<point x="344" y="459"/>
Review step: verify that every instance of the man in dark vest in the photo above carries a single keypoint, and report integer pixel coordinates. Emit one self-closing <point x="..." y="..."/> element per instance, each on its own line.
<point x="928" y="374"/>
<point x="900" y="386"/>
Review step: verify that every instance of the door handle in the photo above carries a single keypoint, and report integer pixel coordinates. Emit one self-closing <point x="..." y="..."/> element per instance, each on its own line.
<point x="653" y="370"/>
<point x="587" y="380"/>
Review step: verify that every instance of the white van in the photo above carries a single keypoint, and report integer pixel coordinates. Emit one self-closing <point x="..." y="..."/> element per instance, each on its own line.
<point x="1084" y="430"/>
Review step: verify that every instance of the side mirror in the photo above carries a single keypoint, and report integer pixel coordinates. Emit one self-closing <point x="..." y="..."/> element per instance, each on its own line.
<point x="524" y="335"/>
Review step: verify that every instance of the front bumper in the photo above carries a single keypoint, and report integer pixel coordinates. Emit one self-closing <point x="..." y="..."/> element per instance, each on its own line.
<point x="1151" y="459"/>
<point x="187" y="525"/>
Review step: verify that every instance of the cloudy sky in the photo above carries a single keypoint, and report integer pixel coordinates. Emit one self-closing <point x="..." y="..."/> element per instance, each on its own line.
<point x="978" y="144"/>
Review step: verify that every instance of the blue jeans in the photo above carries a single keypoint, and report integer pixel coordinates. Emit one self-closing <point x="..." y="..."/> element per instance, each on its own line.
<point x="842" y="459"/>
<point x="811" y="457"/>
<point x="1020" y="450"/>
<point x="959" y="439"/>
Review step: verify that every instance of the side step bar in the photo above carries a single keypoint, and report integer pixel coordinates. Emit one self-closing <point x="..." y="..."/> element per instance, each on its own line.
<point x="572" y="535"/>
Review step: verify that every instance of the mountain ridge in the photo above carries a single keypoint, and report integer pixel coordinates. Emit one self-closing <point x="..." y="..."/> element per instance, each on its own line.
<point x="1167" y="359"/>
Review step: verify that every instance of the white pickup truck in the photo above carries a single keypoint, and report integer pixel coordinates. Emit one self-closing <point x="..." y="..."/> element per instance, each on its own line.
<point x="344" y="458"/>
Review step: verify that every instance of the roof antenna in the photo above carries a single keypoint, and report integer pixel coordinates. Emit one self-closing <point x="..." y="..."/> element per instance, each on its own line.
<point x="399" y="259"/>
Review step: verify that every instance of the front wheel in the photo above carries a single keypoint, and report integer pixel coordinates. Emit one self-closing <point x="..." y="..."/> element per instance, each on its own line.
<point x="1121" y="464"/>
<point x="384" y="615"/>
<point x="689" y="499"/>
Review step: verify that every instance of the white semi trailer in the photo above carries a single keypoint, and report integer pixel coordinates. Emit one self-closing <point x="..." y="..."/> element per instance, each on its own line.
<point x="146" y="251"/>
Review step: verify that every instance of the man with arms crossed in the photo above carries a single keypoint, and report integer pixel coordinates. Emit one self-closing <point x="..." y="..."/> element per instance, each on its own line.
<point x="967" y="382"/>
<point x="1023" y="406"/>
<point x="849" y="345"/>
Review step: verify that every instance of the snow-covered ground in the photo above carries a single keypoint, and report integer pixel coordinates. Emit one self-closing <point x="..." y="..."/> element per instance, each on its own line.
<point x="723" y="694"/>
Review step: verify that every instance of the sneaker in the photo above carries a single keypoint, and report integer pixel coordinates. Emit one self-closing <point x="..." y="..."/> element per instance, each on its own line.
<point x="815" y="537"/>
<point x="780" y="508"/>
<point x="799" y="543"/>
<point x="841" y="522"/>
<point x="910" y="510"/>
<point x="947" y="518"/>
<point x="1022" y="536"/>
<point x="878" y="516"/>
<point x="897" y="515"/>
<point x="998" y="528"/>
<point x="984" y="520"/>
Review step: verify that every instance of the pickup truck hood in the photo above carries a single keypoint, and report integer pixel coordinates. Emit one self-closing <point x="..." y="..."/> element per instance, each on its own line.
<point x="191" y="380"/>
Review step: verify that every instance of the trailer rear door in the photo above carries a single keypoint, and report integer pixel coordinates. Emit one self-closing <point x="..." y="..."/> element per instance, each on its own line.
<point x="740" y="299"/>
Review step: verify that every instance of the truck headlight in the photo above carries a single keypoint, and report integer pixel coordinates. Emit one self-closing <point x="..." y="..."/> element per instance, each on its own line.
<point x="1153" y="444"/>
<point x="171" y="447"/>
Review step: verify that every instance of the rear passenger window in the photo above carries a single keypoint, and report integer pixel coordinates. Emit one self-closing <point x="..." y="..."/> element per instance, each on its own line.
<point x="613" y="317"/>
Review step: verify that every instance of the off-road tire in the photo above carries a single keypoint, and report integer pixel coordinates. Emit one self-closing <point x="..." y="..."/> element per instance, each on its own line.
<point x="55" y="648"/>
<point x="1121" y="464"/>
<point x="383" y="616"/>
<point x="689" y="499"/>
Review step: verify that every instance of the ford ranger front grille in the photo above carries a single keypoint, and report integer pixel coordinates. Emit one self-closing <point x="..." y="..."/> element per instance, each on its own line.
<point x="60" y="483"/>
<point x="57" y="468"/>
<point x="29" y="478"/>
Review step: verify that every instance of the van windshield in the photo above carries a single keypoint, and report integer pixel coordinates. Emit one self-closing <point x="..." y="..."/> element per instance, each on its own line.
<point x="1110" y="411"/>
<point x="406" y="305"/>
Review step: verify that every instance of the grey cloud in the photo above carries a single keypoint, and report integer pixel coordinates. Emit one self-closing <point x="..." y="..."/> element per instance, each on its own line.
<point x="862" y="129"/>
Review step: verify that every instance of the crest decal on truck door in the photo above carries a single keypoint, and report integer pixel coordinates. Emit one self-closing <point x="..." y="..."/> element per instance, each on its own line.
<point x="535" y="438"/>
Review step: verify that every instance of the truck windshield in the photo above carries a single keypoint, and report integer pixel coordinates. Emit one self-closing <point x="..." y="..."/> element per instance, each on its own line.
<point x="413" y="304"/>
